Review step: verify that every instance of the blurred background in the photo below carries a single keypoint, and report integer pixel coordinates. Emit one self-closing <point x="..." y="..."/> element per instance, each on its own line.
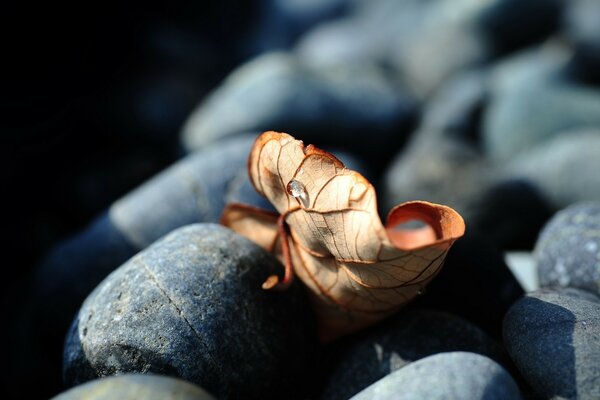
<point x="489" y="106"/>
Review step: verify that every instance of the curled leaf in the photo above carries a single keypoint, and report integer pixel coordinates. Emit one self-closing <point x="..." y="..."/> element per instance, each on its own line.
<point x="329" y="233"/>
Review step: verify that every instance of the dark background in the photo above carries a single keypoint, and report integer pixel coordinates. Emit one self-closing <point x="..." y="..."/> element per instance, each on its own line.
<point x="93" y="95"/>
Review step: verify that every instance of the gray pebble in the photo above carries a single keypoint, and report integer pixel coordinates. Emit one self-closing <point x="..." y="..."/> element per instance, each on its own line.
<point x="277" y="91"/>
<point x="194" y="189"/>
<point x="564" y="169"/>
<point x="191" y="306"/>
<point x="136" y="387"/>
<point x="446" y="376"/>
<point x="409" y="336"/>
<point x="554" y="339"/>
<point x="568" y="250"/>
<point x="533" y="101"/>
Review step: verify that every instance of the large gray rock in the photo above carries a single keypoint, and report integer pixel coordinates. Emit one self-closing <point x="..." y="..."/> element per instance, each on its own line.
<point x="446" y="376"/>
<point x="582" y="28"/>
<point x="136" y="387"/>
<point x="438" y="168"/>
<point x="568" y="250"/>
<point x="426" y="42"/>
<point x="191" y="306"/>
<point x="563" y="169"/>
<point x="554" y="339"/>
<point x="409" y="336"/>
<point x="194" y="189"/>
<point x="532" y="100"/>
<point x="443" y="161"/>
<point x="277" y="91"/>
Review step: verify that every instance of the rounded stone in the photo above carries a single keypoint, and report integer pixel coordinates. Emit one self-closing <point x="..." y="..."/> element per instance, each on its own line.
<point x="446" y="376"/>
<point x="535" y="104"/>
<point x="409" y="336"/>
<point x="277" y="91"/>
<point x="568" y="250"/>
<point x="553" y="336"/>
<point x="134" y="387"/>
<point x="563" y="169"/>
<point x="475" y="283"/>
<point x="191" y="306"/>
<point x="195" y="189"/>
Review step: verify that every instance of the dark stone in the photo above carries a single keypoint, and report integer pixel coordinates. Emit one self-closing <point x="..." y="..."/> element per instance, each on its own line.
<point x="443" y="41"/>
<point x="443" y="161"/>
<point x="532" y="100"/>
<point x="554" y="339"/>
<point x="193" y="190"/>
<point x="568" y="250"/>
<point x="563" y="169"/>
<point x="136" y="386"/>
<point x="513" y="24"/>
<point x="363" y="37"/>
<point x="457" y="107"/>
<point x="191" y="306"/>
<point x="281" y="22"/>
<point x="511" y="212"/>
<point x="475" y="283"/>
<point x="439" y="168"/>
<point x="446" y="376"/>
<point x="276" y="91"/>
<point x="410" y="335"/>
<point x="582" y="28"/>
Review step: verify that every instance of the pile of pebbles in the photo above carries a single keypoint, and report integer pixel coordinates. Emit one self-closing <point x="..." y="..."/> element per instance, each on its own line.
<point x="491" y="107"/>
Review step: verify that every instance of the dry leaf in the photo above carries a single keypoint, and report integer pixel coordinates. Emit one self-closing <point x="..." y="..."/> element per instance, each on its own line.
<point x="329" y="233"/>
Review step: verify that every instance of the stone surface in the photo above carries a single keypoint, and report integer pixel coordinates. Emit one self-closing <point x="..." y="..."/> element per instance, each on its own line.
<point x="446" y="376"/>
<point x="191" y="306"/>
<point x="276" y="91"/>
<point x="554" y="339"/>
<point x="438" y="168"/>
<point x="279" y="23"/>
<point x="193" y="190"/>
<point x="562" y="169"/>
<point x="442" y="43"/>
<point x="511" y="211"/>
<point x="135" y="387"/>
<point x="568" y="250"/>
<point x="582" y="27"/>
<point x="474" y="283"/>
<point x="512" y="24"/>
<point x="410" y="335"/>
<point x="533" y="101"/>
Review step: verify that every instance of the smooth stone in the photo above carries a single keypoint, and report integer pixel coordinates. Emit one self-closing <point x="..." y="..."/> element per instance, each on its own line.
<point x="511" y="211"/>
<point x="436" y="167"/>
<point x="456" y="107"/>
<point x="554" y="339"/>
<point x="539" y="103"/>
<point x="446" y="41"/>
<point x="475" y="283"/>
<point x="365" y="36"/>
<point x="582" y="28"/>
<point x="194" y="189"/>
<point x="509" y="25"/>
<point x="410" y="335"/>
<point x="446" y="376"/>
<point x="134" y="387"/>
<point x="279" y="23"/>
<point x="191" y="306"/>
<point x="276" y="91"/>
<point x="568" y="250"/>
<point x="563" y="169"/>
